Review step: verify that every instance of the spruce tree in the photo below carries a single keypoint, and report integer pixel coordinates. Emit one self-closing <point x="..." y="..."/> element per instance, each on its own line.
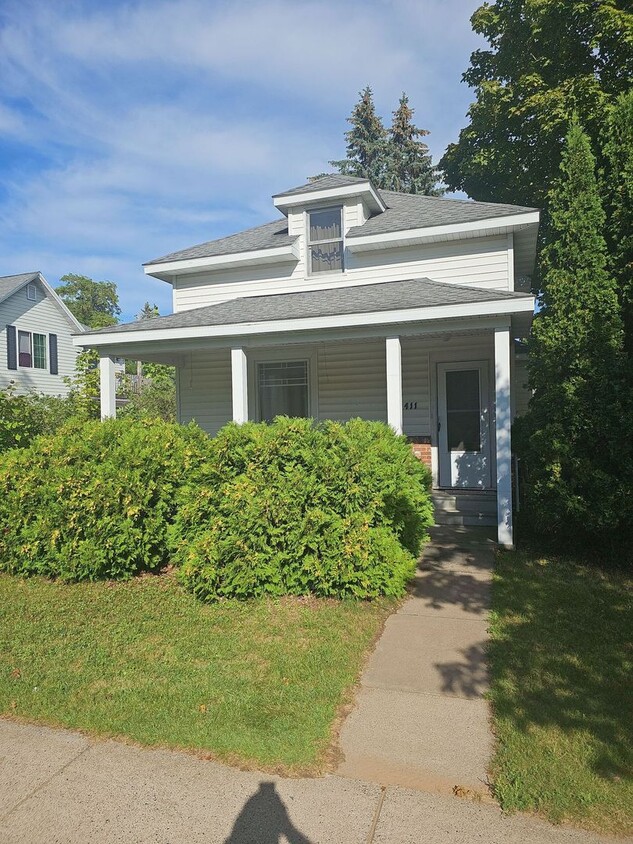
<point x="366" y="142"/>
<point x="571" y="437"/>
<point x="409" y="167"/>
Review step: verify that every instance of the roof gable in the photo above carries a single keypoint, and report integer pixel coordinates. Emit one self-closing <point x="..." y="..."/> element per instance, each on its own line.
<point x="11" y="284"/>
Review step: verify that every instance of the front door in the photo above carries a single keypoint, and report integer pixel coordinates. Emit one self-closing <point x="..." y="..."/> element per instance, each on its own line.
<point x="464" y="425"/>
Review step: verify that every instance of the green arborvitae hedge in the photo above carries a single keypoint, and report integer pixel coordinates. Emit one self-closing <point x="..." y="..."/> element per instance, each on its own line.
<point x="289" y="508"/>
<point x="296" y="508"/>
<point x="94" y="500"/>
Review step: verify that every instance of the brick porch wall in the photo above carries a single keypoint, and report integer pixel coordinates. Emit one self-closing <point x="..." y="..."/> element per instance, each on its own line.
<point x="421" y="447"/>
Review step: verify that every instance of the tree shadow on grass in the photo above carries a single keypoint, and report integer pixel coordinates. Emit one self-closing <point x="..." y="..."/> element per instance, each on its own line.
<point x="562" y="654"/>
<point x="265" y="820"/>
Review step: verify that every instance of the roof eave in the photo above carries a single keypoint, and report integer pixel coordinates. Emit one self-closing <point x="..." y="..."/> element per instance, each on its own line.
<point x="284" y="202"/>
<point x="166" y="270"/>
<point x="428" y="234"/>
<point x="495" y="307"/>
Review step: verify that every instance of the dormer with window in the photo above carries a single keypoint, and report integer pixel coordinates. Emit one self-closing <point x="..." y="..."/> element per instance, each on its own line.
<point x="325" y="240"/>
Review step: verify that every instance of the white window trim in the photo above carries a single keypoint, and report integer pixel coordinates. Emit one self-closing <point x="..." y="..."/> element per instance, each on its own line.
<point x="309" y="244"/>
<point x="31" y="288"/>
<point x="298" y="353"/>
<point x="31" y="334"/>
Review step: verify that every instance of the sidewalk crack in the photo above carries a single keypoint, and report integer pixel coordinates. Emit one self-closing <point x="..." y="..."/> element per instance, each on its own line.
<point x="374" y="823"/>
<point x="34" y="791"/>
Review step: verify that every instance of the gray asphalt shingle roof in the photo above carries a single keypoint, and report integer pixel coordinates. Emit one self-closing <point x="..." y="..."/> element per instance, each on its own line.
<point x="404" y="211"/>
<point x="330" y="180"/>
<point x="354" y="299"/>
<point x="414" y="211"/>
<point x="260" y="237"/>
<point x="9" y="283"/>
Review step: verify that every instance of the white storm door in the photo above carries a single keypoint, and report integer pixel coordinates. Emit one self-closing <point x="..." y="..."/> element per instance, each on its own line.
<point x="464" y="425"/>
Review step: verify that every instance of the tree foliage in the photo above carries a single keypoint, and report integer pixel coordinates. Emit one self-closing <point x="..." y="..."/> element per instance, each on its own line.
<point x="394" y="160"/>
<point x="547" y="60"/>
<point x="409" y="165"/>
<point x="572" y="436"/>
<point x="93" y="303"/>
<point x="617" y="190"/>
<point x="366" y="149"/>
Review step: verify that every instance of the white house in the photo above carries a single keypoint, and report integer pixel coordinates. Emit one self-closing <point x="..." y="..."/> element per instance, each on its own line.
<point x="35" y="334"/>
<point x="356" y="302"/>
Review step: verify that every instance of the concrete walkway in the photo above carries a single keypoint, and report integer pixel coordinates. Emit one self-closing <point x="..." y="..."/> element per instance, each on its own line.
<point x="58" y="787"/>
<point x="421" y="720"/>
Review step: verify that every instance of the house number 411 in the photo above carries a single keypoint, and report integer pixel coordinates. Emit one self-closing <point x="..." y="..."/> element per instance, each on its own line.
<point x="410" y="405"/>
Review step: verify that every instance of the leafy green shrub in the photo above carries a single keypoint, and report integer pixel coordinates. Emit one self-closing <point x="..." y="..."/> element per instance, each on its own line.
<point x="94" y="500"/>
<point x="25" y="416"/>
<point x="295" y="508"/>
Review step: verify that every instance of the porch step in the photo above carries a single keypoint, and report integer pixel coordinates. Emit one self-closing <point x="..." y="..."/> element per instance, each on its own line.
<point x="465" y="507"/>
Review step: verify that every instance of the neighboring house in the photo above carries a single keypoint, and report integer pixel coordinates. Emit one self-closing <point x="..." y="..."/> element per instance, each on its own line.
<point x="35" y="336"/>
<point x="356" y="302"/>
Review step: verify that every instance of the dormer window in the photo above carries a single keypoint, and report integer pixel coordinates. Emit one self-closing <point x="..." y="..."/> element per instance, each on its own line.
<point x="325" y="240"/>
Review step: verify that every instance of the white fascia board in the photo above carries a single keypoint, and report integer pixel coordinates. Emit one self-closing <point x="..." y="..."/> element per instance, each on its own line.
<point x="276" y="254"/>
<point x="473" y="229"/>
<point x="366" y="189"/>
<point x="436" y="312"/>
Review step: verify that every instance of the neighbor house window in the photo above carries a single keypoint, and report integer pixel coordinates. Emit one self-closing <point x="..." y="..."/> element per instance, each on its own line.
<point x="39" y="351"/>
<point x="31" y="292"/>
<point x="325" y="240"/>
<point x="32" y="350"/>
<point x="282" y="388"/>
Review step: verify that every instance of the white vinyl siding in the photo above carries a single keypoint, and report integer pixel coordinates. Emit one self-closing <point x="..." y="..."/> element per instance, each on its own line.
<point x="352" y="380"/>
<point x="40" y="317"/>
<point x="477" y="262"/>
<point x="204" y="389"/>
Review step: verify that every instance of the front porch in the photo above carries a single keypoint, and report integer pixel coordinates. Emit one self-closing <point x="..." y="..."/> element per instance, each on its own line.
<point x="448" y="391"/>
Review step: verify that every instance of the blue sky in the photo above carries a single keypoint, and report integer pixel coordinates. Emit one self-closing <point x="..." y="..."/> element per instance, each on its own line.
<point x="129" y="130"/>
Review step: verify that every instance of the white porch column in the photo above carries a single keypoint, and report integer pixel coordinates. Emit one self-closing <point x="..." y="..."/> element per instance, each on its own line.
<point x="503" y="420"/>
<point x="239" y="380"/>
<point x="394" y="383"/>
<point x="107" y="382"/>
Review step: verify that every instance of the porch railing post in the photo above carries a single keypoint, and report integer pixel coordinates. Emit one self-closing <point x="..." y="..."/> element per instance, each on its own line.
<point x="503" y="421"/>
<point x="239" y="382"/>
<point x="394" y="383"/>
<point x="107" y="383"/>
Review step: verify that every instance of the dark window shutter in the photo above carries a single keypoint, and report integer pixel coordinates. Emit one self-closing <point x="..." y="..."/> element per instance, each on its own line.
<point x="12" y="348"/>
<point x="52" y="353"/>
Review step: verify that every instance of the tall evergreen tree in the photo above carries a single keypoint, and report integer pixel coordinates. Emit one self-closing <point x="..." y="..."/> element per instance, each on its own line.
<point x="617" y="189"/>
<point x="409" y="166"/>
<point x="366" y="142"/>
<point x="571" y="437"/>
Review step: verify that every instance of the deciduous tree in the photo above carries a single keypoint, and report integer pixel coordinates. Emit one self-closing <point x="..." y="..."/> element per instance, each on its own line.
<point x="547" y="59"/>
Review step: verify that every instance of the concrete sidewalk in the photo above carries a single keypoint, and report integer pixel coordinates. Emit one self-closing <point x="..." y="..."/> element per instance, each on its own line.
<point x="421" y="720"/>
<point x="58" y="787"/>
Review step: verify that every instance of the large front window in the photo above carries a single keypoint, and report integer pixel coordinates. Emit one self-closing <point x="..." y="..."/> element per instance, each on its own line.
<point x="325" y="240"/>
<point x="282" y="389"/>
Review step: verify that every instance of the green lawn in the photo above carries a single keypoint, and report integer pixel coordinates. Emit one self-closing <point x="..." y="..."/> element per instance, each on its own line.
<point x="562" y="691"/>
<point x="258" y="682"/>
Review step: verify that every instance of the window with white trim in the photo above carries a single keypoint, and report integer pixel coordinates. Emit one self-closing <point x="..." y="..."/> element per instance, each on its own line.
<point x="282" y="389"/>
<point x="325" y="240"/>
<point x="31" y="292"/>
<point x="31" y="350"/>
